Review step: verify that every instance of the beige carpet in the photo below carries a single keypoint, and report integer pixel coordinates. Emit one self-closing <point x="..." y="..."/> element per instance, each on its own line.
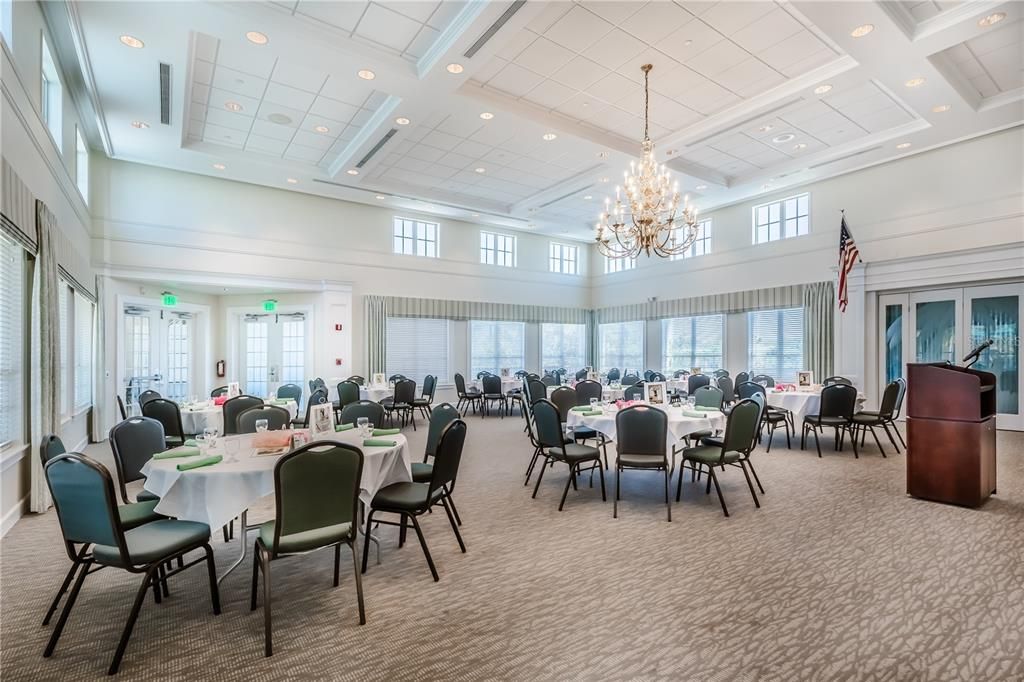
<point x="838" y="576"/>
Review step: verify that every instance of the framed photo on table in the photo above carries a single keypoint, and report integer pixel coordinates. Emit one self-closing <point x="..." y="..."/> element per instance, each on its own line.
<point x="506" y="372"/>
<point x="654" y="393"/>
<point x="594" y="376"/>
<point x="321" y="420"/>
<point x="379" y="379"/>
<point x="805" y="379"/>
<point x="234" y="389"/>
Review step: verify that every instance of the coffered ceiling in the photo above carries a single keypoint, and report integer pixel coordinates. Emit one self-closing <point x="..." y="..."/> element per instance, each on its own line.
<point x="523" y="114"/>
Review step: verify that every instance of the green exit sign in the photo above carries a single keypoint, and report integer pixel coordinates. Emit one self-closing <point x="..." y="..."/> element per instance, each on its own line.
<point x="269" y="306"/>
<point x="170" y="300"/>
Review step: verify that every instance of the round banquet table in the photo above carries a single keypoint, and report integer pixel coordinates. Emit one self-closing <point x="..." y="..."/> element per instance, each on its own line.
<point x="507" y="384"/>
<point x="612" y="392"/>
<point x="376" y="393"/>
<point x="679" y="425"/>
<point x="195" y="419"/>
<point x="800" y="403"/>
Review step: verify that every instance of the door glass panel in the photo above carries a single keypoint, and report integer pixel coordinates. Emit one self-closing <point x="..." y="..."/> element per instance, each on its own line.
<point x="893" y="342"/>
<point x="179" y="356"/>
<point x="256" y="358"/>
<point x="998" y="318"/>
<point x="936" y="331"/>
<point x="137" y="372"/>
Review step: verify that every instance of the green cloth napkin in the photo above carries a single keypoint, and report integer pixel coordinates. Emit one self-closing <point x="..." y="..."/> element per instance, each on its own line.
<point x="344" y="427"/>
<point x="379" y="443"/>
<point x="692" y="413"/>
<point x="581" y="408"/>
<point x="701" y="408"/>
<point x="191" y="443"/>
<point x="386" y="432"/>
<point x="204" y="462"/>
<point x="178" y="452"/>
<point x="279" y="401"/>
<point x="592" y="413"/>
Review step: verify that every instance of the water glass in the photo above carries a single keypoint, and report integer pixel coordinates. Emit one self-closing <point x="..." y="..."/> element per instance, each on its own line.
<point x="367" y="429"/>
<point x="262" y="425"/>
<point x="210" y="434"/>
<point x="361" y="422"/>
<point x="594" y="403"/>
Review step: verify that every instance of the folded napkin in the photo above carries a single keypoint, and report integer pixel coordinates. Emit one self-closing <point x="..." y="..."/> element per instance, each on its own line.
<point x="278" y="401"/>
<point x="184" y="451"/>
<point x="386" y="432"/>
<point x="204" y="462"/>
<point x="701" y="408"/>
<point x="344" y="427"/>
<point x="191" y="442"/>
<point x="379" y="443"/>
<point x="592" y="413"/>
<point x="691" y="413"/>
<point x="581" y="408"/>
<point x="272" y="439"/>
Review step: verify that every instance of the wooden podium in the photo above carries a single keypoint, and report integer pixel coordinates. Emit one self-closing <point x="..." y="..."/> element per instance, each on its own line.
<point x="951" y="434"/>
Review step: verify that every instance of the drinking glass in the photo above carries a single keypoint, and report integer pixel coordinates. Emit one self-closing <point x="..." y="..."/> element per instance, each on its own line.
<point x="210" y="434"/>
<point x="368" y="429"/>
<point x="231" y="450"/>
<point x="262" y="425"/>
<point x="361" y="422"/>
<point x="594" y="403"/>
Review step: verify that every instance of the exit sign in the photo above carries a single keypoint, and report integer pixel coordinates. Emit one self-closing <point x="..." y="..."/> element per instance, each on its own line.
<point x="269" y="306"/>
<point x="170" y="300"/>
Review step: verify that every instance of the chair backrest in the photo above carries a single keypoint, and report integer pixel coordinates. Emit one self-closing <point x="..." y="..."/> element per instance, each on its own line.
<point x="395" y="378"/>
<point x="899" y="399"/>
<point x="314" y="384"/>
<point x="236" y="406"/>
<point x="634" y="392"/>
<point x="51" y="447"/>
<point x="429" y="386"/>
<point x="887" y="408"/>
<point x="134" y="441"/>
<point x="317" y="397"/>
<point x="219" y="391"/>
<point x="764" y="379"/>
<point x="491" y="384"/>
<point x="460" y="384"/>
<point x="148" y="395"/>
<point x="548" y="423"/>
<point x="405" y="392"/>
<point x="581" y="375"/>
<point x="533" y="375"/>
<point x="316" y="486"/>
<point x="120" y="407"/>
<point x="448" y="455"/>
<point x="538" y="390"/>
<point x="290" y="392"/>
<point x="719" y="373"/>
<point x="564" y="398"/>
<point x="741" y="429"/>
<point x="656" y="376"/>
<point x="440" y="417"/>
<point x="550" y="380"/>
<point x="630" y="379"/>
<point x="838" y="400"/>
<point x="748" y="389"/>
<point x="357" y="379"/>
<point x="708" y="396"/>
<point x="741" y="377"/>
<point x="83" y="494"/>
<point x="762" y="402"/>
<point x="726" y="386"/>
<point x="587" y="389"/>
<point x="167" y="413"/>
<point x="277" y="418"/>
<point x="521" y="374"/>
<point x="481" y="374"/>
<point x="836" y="380"/>
<point x="641" y="430"/>
<point x="348" y="392"/>
<point x="614" y="374"/>
<point x="648" y="373"/>
<point x="374" y="412"/>
<point x="695" y="381"/>
<point x="680" y="373"/>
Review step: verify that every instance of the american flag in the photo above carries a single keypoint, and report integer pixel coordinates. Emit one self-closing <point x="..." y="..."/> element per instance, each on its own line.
<point x="849" y="255"/>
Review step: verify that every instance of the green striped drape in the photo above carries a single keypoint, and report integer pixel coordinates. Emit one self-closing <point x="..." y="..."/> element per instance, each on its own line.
<point x="375" y="317"/>
<point x="477" y="310"/>
<point x="734" y="302"/>
<point x="819" y="324"/>
<point x="593" y="342"/>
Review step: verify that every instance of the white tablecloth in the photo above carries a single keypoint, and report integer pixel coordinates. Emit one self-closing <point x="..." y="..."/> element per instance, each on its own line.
<point x="679" y="425"/>
<point x="216" y="494"/>
<point x="212" y="416"/>
<point x="375" y="393"/>
<point x="612" y="392"/>
<point x="507" y="384"/>
<point x="800" y="403"/>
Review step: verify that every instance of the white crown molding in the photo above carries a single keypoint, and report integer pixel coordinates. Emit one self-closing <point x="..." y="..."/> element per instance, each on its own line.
<point x="85" y="66"/>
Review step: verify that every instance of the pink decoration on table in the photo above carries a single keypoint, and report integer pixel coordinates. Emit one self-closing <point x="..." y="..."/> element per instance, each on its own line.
<point x="220" y="400"/>
<point x="272" y="439"/>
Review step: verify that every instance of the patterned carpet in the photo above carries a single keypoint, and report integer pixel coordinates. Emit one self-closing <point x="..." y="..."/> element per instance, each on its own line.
<point x="839" y="576"/>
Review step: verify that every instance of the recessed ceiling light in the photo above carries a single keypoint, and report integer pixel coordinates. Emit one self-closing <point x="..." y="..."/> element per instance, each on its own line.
<point x="219" y="166"/>
<point x="587" y="198"/>
<point x="903" y="145"/>
<point x="476" y="215"/>
<point x="381" y="197"/>
<point x="991" y="19"/>
<point x="132" y="41"/>
<point x="366" y="74"/>
<point x="549" y="136"/>
<point x="139" y="124"/>
<point x="862" y="30"/>
<point x="402" y="121"/>
<point x="292" y="181"/>
<point x="700" y="187"/>
<point x="480" y="170"/>
<point x="914" y="82"/>
<point x="940" y="109"/>
<point x="784" y="137"/>
<point x="232" y="106"/>
<point x="602" y="155"/>
<point x="765" y="128"/>
<point x="487" y="116"/>
<point x="256" y="37"/>
<point x="352" y="171"/>
<point x="605" y="179"/>
<point x="822" y="89"/>
<point x="800" y="145"/>
<point x="454" y="68"/>
<point x="322" y="129"/>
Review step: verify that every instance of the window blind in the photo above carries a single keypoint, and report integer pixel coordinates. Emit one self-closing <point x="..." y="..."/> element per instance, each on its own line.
<point x="696" y="341"/>
<point x="418" y="346"/>
<point x="495" y="345"/>
<point x="83" y="352"/>
<point x="12" y="334"/>
<point x="64" y="294"/>
<point x="622" y="345"/>
<point x="563" y="345"/>
<point x="776" y="344"/>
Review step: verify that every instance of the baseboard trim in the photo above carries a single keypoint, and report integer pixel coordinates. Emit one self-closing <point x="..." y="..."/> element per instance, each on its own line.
<point x="13" y="516"/>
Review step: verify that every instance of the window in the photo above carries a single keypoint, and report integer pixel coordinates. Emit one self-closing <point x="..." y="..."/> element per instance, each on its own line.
<point x="12" y="335"/>
<point x="689" y="342"/>
<point x="564" y="259"/>
<point x="415" y="238"/>
<point x="563" y="345"/>
<point x="64" y="299"/>
<point x="776" y="343"/>
<point x="622" y="345"/>
<point x="418" y="347"/>
<point x="496" y="345"/>
<point x="701" y="245"/>
<point x="81" y="165"/>
<point x="497" y="249"/>
<point x="137" y="372"/>
<point x="83" y="352"/>
<point x="256" y="356"/>
<point x="781" y="219"/>
<point x="7" y="30"/>
<point x="293" y="350"/>
<point x="179" y="357"/>
<point x="51" y="96"/>
<point x="618" y="264"/>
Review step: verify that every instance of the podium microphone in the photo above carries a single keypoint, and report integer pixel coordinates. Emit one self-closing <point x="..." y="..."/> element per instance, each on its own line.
<point x="977" y="350"/>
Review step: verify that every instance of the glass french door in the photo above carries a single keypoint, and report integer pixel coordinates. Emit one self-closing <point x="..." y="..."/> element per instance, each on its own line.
<point x="273" y="352"/>
<point x="159" y="353"/>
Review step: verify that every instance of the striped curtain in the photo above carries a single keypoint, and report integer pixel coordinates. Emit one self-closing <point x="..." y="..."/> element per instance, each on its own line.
<point x="45" y="304"/>
<point x="375" y="317"/>
<point x="819" y="301"/>
<point x="478" y="310"/>
<point x="593" y="340"/>
<point x="712" y="304"/>
<point x="17" y="208"/>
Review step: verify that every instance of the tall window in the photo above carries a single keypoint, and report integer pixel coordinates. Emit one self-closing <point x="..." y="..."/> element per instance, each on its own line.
<point x="51" y="95"/>
<point x="689" y="342"/>
<point x="622" y="345"/>
<point x="776" y="344"/>
<point x="415" y="238"/>
<point x="256" y="357"/>
<point x="293" y="349"/>
<point x="7" y="29"/>
<point x="564" y="259"/>
<point x="179" y="358"/>
<point x="83" y="352"/>
<point x="618" y="264"/>
<point x="563" y="345"/>
<point x="701" y="245"/>
<point x="64" y="299"/>
<point x="418" y="347"/>
<point x="81" y="164"/>
<point x="496" y="345"/>
<point x="12" y="334"/>
<point x="781" y="219"/>
<point x="497" y="249"/>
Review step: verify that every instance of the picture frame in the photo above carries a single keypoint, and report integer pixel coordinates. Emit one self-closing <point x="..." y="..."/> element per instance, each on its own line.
<point x="506" y="372"/>
<point x="805" y="379"/>
<point x="234" y="389"/>
<point x="379" y="379"/>
<point x="321" y="420"/>
<point x="594" y="376"/>
<point x="655" y="393"/>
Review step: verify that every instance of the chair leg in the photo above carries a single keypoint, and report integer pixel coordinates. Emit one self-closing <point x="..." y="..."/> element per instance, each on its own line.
<point x="366" y="546"/>
<point x="789" y="445"/>
<point x="668" y="503"/>
<point x="455" y="511"/>
<point x="615" y="502"/>
<point x="749" y="484"/>
<point x="540" y="475"/>
<point x="403" y="529"/>
<point x="451" y="519"/>
<point x="854" y="439"/>
<point x="718" y="490"/>
<point x="211" y="571"/>
<point x="359" y="581"/>
<point x="64" y="586"/>
<point x="898" y="434"/>
<point x="569" y="481"/>
<point x="255" y="575"/>
<point x="337" y="564"/>
<point x="268" y="642"/>
<point x="817" y="443"/>
<point x="63" y="619"/>
<point x="756" y="479"/>
<point x="885" y="427"/>
<point x="426" y="552"/>
<point x="130" y="624"/>
<point x="877" y="442"/>
<point x="771" y="437"/>
<point x="600" y="472"/>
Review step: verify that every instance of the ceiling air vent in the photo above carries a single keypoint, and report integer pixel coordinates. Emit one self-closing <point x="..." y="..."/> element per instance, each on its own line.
<point x="579" y="190"/>
<point x="376" y="148"/>
<point x="489" y="33"/>
<point x="848" y="156"/>
<point x="165" y="94"/>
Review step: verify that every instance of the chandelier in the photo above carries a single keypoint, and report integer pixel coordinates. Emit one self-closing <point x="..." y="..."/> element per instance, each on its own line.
<point x="651" y="219"/>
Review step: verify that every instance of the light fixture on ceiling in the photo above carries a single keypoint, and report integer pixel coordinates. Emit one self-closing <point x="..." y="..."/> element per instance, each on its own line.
<point x="322" y="129"/>
<point x="862" y="30"/>
<point x="352" y="171"/>
<point x="765" y="128"/>
<point x="784" y="137"/>
<point x="991" y="19"/>
<point x="232" y="106"/>
<point x="381" y="197"/>
<point x="605" y="179"/>
<point x="366" y="74"/>
<point x="648" y="221"/>
<point x="587" y="197"/>
<point x="402" y="121"/>
<point x="822" y="89"/>
<point x="903" y="145"/>
<point x="480" y="170"/>
<point x="454" y="68"/>
<point x="219" y="166"/>
<point x="914" y="82"/>
<point x="257" y="38"/>
<point x="139" y="124"/>
<point x="280" y="119"/>
<point x="700" y="187"/>
<point x="476" y="215"/>
<point x="486" y="115"/>
<point x="292" y="181"/>
<point x="602" y="155"/>
<point x="132" y="41"/>
<point x="940" y="108"/>
<point x="799" y="145"/>
<point x="549" y="136"/>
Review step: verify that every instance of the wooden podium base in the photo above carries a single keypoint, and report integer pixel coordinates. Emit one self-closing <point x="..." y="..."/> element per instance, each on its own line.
<point x="951" y="461"/>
